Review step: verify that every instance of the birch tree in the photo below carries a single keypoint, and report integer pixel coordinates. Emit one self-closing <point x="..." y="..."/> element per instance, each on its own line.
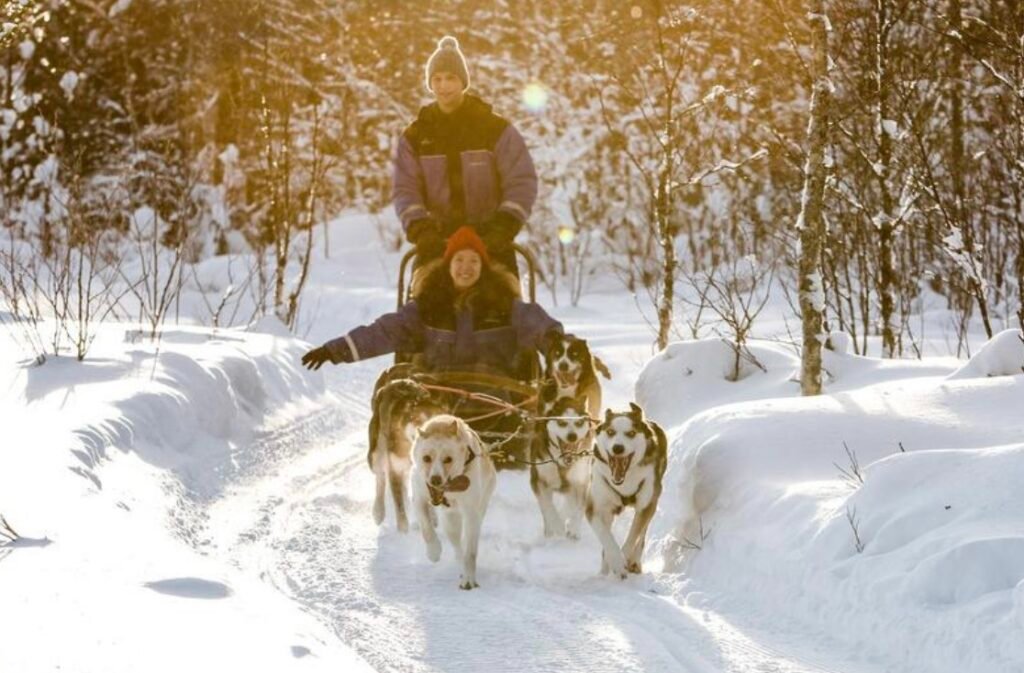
<point x="811" y="222"/>
<point x="654" y="93"/>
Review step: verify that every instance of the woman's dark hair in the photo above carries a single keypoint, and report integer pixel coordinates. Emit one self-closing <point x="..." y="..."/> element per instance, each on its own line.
<point x="490" y="298"/>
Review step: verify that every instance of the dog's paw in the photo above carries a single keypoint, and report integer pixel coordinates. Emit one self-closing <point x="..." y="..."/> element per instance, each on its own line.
<point x="378" y="513"/>
<point x="403" y="525"/>
<point x="617" y="568"/>
<point x="467" y="585"/>
<point x="434" y="551"/>
<point x="572" y="532"/>
<point x="634" y="567"/>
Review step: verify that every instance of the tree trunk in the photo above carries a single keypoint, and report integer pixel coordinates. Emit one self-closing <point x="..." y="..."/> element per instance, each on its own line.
<point x="1018" y="33"/>
<point x="885" y="220"/>
<point x="668" y="252"/>
<point x="958" y="169"/>
<point x="812" y="221"/>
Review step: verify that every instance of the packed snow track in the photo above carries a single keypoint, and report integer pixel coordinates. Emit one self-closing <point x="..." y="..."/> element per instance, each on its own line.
<point x="303" y="523"/>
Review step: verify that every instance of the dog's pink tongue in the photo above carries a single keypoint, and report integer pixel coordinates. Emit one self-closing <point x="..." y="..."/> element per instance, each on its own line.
<point x="457" y="484"/>
<point x="619" y="466"/>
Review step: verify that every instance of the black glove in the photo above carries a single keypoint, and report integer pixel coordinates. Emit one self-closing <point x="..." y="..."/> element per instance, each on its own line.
<point x="425" y="234"/>
<point x="499" y="231"/>
<point x="423" y="228"/>
<point x="315" y="359"/>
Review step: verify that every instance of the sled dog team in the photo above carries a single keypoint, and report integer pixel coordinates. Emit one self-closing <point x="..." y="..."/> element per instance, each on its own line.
<point x="602" y="466"/>
<point x="463" y="187"/>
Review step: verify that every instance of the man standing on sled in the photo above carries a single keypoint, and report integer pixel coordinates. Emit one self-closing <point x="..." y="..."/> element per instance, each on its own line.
<point x="459" y="164"/>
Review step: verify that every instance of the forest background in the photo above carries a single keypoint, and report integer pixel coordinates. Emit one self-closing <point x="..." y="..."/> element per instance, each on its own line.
<point x="140" y="137"/>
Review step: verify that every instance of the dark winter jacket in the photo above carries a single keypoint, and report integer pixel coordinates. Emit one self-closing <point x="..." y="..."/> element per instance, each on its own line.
<point x="462" y="168"/>
<point x="488" y="329"/>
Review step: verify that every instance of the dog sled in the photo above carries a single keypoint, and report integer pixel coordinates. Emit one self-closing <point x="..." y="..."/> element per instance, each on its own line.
<point x="499" y="408"/>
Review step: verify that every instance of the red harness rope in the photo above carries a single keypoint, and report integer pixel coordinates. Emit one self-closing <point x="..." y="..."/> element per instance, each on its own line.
<point x="503" y="406"/>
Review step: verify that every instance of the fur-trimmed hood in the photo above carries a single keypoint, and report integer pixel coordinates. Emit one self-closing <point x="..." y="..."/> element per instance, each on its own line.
<point x="490" y="300"/>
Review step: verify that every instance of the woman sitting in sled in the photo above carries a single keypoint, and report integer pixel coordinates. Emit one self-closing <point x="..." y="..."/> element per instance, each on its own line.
<point x="466" y="314"/>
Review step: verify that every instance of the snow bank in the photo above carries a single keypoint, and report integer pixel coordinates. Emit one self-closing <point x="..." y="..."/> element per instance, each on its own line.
<point x="104" y="468"/>
<point x="689" y="377"/>
<point x="933" y="577"/>
<point x="1003" y="355"/>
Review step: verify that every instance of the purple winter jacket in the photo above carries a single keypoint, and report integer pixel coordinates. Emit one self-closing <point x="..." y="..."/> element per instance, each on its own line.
<point x="461" y="168"/>
<point x="500" y="349"/>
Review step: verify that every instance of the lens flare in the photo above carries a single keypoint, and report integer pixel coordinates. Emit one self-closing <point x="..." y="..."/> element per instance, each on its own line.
<point x="566" y="234"/>
<point x="535" y="97"/>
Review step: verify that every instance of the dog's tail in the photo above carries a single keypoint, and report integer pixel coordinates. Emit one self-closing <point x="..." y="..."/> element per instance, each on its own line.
<point x="600" y="366"/>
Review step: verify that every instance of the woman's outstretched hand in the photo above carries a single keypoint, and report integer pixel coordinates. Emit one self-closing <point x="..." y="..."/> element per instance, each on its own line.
<point x="315" y="359"/>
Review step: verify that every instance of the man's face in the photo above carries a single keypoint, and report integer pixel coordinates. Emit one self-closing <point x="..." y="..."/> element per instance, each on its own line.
<point x="447" y="89"/>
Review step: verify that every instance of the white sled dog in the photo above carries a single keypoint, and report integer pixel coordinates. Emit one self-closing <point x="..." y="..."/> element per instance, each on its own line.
<point x="561" y="453"/>
<point x="452" y="473"/>
<point x="630" y="457"/>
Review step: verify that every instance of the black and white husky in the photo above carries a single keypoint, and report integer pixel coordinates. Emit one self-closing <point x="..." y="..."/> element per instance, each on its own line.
<point x="571" y="370"/>
<point x="452" y="474"/>
<point x="630" y="457"/>
<point x="561" y="456"/>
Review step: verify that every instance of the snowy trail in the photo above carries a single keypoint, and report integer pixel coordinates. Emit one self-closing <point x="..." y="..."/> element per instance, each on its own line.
<point x="305" y="526"/>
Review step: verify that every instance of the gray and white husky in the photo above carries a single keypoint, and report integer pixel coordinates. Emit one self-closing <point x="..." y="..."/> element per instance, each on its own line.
<point x="452" y="475"/>
<point x="630" y="457"/>
<point x="562" y="447"/>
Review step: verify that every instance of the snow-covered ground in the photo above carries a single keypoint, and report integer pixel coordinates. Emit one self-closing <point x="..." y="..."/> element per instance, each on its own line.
<point x="202" y="503"/>
<point x="882" y="519"/>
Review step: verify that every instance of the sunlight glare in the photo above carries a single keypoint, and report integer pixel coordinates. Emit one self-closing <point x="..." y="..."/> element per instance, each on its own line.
<point x="535" y="97"/>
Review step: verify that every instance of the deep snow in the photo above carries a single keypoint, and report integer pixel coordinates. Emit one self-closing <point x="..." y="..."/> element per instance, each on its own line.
<point x="937" y="581"/>
<point x="203" y="504"/>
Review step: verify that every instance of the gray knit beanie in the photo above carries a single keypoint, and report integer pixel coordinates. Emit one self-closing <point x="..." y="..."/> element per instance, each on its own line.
<point x="448" y="58"/>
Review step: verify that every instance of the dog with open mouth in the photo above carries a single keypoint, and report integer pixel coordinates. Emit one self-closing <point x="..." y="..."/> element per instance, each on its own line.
<point x="399" y="406"/>
<point x="453" y="476"/>
<point x="630" y="457"/>
<point x="571" y="371"/>
<point x="560" y="457"/>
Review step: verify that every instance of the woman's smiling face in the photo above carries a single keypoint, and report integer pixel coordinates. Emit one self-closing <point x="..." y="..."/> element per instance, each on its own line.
<point x="465" y="269"/>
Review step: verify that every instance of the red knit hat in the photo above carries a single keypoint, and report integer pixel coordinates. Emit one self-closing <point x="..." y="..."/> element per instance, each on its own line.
<point x="466" y="238"/>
